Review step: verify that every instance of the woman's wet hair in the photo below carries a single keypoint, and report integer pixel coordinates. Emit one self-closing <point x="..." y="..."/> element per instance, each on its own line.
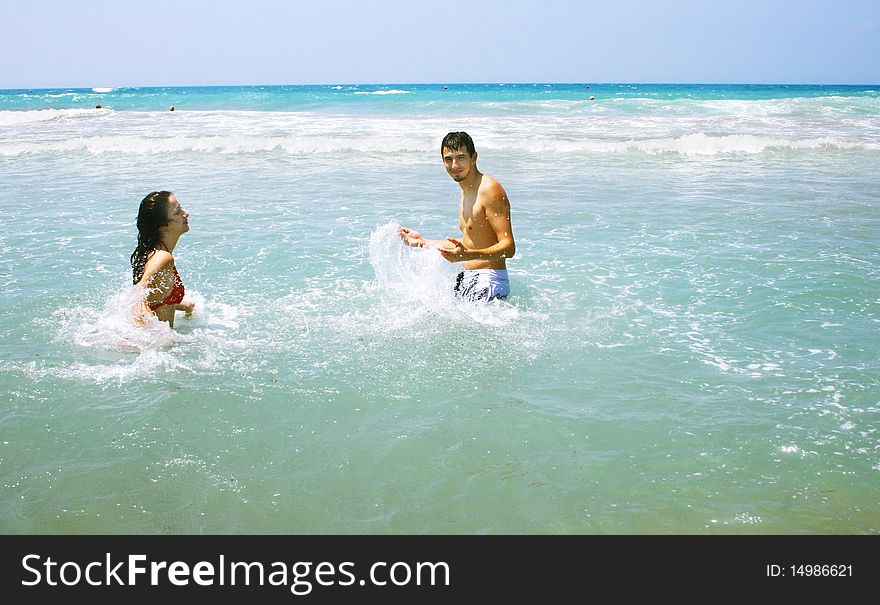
<point x="152" y="216"/>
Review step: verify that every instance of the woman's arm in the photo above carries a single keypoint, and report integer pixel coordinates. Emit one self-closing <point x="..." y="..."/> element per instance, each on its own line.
<point x="187" y="306"/>
<point x="158" y="277"/>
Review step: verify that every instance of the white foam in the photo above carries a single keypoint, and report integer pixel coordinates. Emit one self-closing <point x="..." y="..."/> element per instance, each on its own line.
<point x="384" y="92"/>
<point x="219" y="144"/>
<point x="209" y="316"/>
<point x="145" y="365"/>
<point x="701" y="144"/>
<point x="706" y="133"/>
<point x="690" y="145"/>
<point x="11" y="118"/>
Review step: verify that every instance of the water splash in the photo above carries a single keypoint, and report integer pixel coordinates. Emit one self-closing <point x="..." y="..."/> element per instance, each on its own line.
<point x="415" y="282"/>
<point x="416" y="275"/>
<point x="115" y="325"/>
<point x="116" y="344"/>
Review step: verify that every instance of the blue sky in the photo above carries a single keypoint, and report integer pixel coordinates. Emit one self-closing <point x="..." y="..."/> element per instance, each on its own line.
<point x="54" y="43"/>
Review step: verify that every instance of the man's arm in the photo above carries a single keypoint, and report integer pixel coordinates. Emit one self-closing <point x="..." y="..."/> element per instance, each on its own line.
<point x="498" y="215"/>
<point x="416" y="240"/>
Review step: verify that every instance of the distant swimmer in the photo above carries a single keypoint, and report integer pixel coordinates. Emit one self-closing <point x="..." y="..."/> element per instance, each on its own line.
<point x="171" y="108"/>
<point x="98" y="106"/>
<point x="484" y="219"/>
<point x="592" y="98"/>
<point x="161" y="221"/>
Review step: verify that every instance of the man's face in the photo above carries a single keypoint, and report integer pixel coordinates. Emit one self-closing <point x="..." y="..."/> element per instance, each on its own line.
<point x="458" y="163"/>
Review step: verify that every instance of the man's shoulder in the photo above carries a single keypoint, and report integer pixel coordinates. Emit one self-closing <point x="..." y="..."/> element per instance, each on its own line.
<point x="489" y="182"/>
<point x="491" y="191"/>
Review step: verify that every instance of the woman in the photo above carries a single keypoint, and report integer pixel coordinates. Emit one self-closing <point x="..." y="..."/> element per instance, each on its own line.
<point x="161" y="221"/>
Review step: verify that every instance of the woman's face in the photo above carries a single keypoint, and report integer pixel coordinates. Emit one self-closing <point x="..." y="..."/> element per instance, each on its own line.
<point x="178" y="218"/>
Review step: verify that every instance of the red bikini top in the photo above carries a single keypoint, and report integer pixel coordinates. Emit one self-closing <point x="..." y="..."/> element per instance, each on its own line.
<point x="176" y="294"/>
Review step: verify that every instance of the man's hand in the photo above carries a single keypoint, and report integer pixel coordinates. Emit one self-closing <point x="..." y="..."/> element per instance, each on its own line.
<point x="412" y="238"/>
<point x="455" y="252"/>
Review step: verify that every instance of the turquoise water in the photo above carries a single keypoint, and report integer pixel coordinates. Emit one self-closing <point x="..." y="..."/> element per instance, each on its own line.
<point x="691" y="345"/>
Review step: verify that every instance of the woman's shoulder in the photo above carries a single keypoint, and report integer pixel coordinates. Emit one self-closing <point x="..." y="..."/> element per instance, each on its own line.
<point x="160" y="259"/>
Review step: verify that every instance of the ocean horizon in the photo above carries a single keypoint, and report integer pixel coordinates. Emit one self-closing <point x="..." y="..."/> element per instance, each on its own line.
<point x="691" y="344"/>
<point x="191" y="93"/>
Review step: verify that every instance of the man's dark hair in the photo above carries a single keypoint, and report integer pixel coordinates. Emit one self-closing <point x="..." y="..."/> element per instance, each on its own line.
<point x="458" y="140"/>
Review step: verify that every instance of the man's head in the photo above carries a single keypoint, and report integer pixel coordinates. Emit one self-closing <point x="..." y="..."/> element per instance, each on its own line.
<point x="459" y="155"/>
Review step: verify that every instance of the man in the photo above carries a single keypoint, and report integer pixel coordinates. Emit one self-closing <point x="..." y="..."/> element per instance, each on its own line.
<point x="484" y="219"/>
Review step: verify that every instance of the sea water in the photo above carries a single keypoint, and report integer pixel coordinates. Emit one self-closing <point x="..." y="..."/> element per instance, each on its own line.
<point x="691" y="344"/>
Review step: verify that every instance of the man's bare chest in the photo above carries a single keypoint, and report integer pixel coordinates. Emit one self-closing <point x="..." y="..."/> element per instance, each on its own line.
<point x="472" y="216"/>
